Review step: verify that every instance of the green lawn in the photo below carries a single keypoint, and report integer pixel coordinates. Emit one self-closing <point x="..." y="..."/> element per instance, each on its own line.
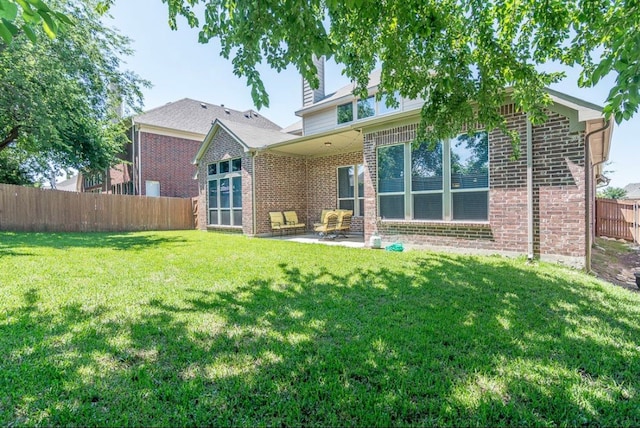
<point x="192" y="328"/>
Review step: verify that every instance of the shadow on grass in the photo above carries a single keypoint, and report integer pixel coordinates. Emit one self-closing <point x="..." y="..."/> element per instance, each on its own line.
<point x="446" y="341"/>
<point x="119" y="241"/>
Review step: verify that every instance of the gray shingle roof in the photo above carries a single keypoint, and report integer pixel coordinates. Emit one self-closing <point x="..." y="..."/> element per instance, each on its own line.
<point x="195" y="116"/>
<point x="295" y="128"/>
<point x="250" y="136"/>
<point x="633" y="191"/>
<point x="255" y="137"/>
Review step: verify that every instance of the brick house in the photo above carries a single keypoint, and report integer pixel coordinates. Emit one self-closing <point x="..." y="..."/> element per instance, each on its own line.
<point x="164" y="141"/>
<point x="465" y="193"/>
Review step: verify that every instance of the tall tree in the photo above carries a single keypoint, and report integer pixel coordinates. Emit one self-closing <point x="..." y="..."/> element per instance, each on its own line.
<point x="458" y="54"/>
<point x="15" y="168"/>
<point x="59" y="98"/>
<point x="612" y="193"/>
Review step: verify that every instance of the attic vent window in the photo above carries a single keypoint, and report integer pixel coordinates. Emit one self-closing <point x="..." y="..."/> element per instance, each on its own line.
<point x="203" y="105"/>
<point x="227" y="111"/>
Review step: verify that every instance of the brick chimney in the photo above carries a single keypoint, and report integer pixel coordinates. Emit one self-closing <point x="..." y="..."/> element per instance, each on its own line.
<point x="311" y="96"/>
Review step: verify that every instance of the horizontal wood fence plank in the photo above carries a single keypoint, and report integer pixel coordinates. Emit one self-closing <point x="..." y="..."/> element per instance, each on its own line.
<point x="617" y="219"/>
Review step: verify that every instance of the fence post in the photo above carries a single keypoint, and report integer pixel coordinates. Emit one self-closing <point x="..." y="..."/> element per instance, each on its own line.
<point x="636" y="222"/>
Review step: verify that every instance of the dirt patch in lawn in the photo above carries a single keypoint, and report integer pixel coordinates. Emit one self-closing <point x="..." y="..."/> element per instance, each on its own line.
<point x="615" y="261"/>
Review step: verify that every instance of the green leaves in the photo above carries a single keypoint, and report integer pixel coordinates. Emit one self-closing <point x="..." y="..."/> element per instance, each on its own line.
<point x="58" y="96"/>
<point x="33" y="13"/>
<point x="8" y="14"/>
<point x="451" y="53"/>
<point x="8" y="10"/>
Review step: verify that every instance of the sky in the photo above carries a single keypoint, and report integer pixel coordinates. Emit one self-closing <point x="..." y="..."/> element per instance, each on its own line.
<point x="179" y="67"/>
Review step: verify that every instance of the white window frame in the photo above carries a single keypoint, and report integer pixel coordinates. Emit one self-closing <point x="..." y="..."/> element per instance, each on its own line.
<point x="407" y="185"/>
<point x="357" y="197"/>
<point x="357" y="110"/>
<point x="381" y="103"/>
<point x="148" y="185"/>
<point x="353" y="114"/>
<point x="218" y="177"/>
<point x="376" y="108"/>
<point x="447" y="191"/>
<point x="446" y="177"/>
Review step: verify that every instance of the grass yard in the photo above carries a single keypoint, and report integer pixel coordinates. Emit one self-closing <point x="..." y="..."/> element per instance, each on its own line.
<point x="192" y="328"/>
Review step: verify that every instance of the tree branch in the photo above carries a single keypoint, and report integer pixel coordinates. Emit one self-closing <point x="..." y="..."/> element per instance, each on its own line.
<point x="13" y="134"/>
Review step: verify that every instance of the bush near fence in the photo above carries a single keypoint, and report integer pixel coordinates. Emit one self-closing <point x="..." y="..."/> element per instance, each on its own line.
<point x="28" y="209"/>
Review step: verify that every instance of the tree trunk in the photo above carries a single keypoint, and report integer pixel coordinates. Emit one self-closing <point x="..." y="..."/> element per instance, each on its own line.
<point x="13" y="134"/>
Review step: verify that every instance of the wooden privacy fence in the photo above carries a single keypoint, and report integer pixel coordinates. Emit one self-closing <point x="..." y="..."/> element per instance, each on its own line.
<point x="617" y="219"/>
<point x="39" y="210"/>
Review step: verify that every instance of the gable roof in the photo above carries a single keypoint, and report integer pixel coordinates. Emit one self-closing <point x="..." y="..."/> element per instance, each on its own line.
<point x="196" y="116"/>
<point x="248" y="136"/>
<point x="633" y="191"/>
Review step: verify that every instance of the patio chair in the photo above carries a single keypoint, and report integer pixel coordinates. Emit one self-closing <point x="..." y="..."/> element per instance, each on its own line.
<point x="291" y="219"/>
<point x="278" y="222"/>
<point x="344" y="223"/>
<point x="322" y="217"/>
<point x="328" y="228"/>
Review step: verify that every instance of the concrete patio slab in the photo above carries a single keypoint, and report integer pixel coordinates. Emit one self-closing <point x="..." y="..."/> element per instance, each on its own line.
<point x="353" y="241"/>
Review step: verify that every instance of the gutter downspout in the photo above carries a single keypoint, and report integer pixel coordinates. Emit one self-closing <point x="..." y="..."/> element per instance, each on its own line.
<point x="254" y="209"/>
<point x="133" y="156"/>
<point x="139" y="164"/>
<point x="587" y="191"/>
<point x="529" y="190"/>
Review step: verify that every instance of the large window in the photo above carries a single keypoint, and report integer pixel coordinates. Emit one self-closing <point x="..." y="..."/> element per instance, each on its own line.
<point x="427" y="185"/>
<point x="351" y="189"/>
<point x="367" y="107"/>
<point x="391" y="181"/>
<point x="225" y="193"/>
<point x="382" y="104"/>
<point x="470" y="177"/>
<point x="345" y="113"/>
<point x="448" y="180"/>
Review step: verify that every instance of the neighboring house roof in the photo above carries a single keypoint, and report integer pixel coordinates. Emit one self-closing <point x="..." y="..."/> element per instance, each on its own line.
<point x="633" y="191"/>
<point x="196" y="116"/>
<point x="68" y="185"/>
<point x="247" y="135"/>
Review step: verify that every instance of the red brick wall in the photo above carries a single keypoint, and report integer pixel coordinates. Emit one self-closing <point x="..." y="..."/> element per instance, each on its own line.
<point x="280" y="186"/>
<point x="322" y="188"/>
<point x="559" y="198"/>
<point x="119" y="174"/>
<point x="223" y="146"/>
<point x="169" y="161"/>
